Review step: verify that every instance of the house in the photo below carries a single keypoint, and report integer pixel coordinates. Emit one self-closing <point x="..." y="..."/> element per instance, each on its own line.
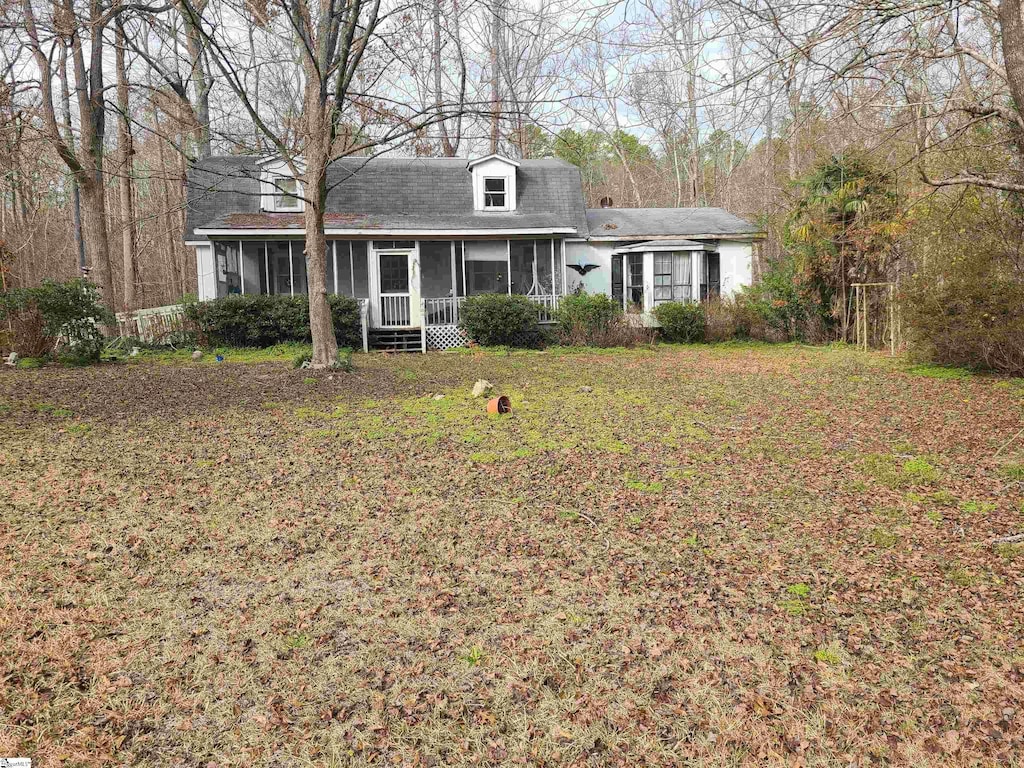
<point x="410" y="238"/>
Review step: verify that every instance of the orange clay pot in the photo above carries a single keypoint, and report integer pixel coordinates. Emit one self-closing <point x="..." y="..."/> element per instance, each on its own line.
<point x="499" y="404"/>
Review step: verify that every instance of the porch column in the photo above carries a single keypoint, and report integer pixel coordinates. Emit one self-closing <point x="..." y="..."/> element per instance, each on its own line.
<point x="695" y="270"/>
<point x="648" y="281"/>
<point x="415" y="287"/>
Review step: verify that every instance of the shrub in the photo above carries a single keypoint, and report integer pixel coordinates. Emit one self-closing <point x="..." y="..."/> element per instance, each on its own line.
<point x="597" y="320"/>
<point x="496" y="319"/>
<point x="590" y="312"/>
<point x="681" y="321"/>
<point x="973" y="320"/>
<point x="61" y="318"/>
<point x="780" y="306"/>
<point x="263" y="321"/>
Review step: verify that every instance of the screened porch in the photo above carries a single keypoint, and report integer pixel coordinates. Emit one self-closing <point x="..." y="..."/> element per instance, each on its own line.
<point x="403" y="283"/>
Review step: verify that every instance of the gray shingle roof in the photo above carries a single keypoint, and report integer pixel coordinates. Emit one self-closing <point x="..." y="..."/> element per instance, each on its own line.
<point x="395" y="193"/>
<point x="638" y="223"/>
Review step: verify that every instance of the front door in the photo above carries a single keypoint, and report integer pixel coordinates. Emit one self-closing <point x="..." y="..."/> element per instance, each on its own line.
<point x="395" y="307"/>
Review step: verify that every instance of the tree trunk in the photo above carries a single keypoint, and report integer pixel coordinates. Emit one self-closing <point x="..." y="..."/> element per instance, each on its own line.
<point x="69" y="138"/>
<point x="1011" y="20"/>
<point x="91" y="109"/>
<point x="200" y="80"/>
<point x="124" y="182"/>
<point x="317" y="154"/>
<point x="496" y="22"/>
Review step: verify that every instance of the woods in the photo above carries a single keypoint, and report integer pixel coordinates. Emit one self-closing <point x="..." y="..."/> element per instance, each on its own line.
<point x="854" y="134"/>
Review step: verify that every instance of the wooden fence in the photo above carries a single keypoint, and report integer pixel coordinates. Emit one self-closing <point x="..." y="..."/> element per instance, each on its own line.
<point x="154" y="325"/>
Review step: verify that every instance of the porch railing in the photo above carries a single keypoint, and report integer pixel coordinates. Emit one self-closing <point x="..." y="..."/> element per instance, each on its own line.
<point x="446" y="310"/>
<point x="443" y="311"/>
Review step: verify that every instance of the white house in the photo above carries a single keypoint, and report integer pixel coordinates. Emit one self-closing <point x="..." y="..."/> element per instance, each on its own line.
<point x="411" y="238"/>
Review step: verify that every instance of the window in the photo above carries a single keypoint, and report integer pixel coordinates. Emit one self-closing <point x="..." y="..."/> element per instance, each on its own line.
<point x="494" y="193"/>
<point x="394" y="273"/>
<point x="286" y="194"/>
<point x="635" y="275"/>
<point x="662" y="277"/>
<point x="393" y="245"/>
<point x="682" y="276"/>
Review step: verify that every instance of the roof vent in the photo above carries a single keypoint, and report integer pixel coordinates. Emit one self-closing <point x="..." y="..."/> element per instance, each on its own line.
<point x="606" y="202"/>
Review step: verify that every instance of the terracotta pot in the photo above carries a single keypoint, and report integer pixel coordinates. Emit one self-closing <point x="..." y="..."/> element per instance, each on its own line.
<point x="500" y="404"/>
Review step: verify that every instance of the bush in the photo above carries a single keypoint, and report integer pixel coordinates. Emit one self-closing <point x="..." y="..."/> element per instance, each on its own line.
<point x="263" y="321"/>
<point x="496" y="319"/>
<point x="56" y="318"/>
<point x="587" y="312"/>
<point x="596" y="320"/>
<point x="681" y="321"/>
<point x="780" y="306"/>
<point x="968" y="319"/>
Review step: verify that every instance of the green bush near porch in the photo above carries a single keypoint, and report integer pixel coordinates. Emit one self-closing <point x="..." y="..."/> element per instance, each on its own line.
<point x="681" y="321"/>
<point x="496" y="319"/>
<point x="263" y="321"/>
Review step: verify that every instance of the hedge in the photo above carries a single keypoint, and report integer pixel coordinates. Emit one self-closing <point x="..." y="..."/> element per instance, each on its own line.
<point x="263" y="321"/>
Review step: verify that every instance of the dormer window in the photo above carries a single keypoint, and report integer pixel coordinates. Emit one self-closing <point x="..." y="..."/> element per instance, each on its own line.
<point x="281" y="185"/>
<point x="494" y="183"/>
<point x="286" y="194"/>
<point x="495" y="193"/>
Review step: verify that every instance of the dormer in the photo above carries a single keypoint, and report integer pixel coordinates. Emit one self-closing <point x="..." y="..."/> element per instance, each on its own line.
<point x="280" y="191"/>
<point x="494" y="183"/>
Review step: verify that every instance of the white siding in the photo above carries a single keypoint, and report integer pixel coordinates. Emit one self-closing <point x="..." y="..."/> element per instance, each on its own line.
<point x="736" y="265"/>
<point x="596" y="280"/>
<point x="206" y="272"/>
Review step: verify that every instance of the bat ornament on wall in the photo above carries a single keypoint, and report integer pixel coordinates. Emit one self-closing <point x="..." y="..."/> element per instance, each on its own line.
<point x="582" y="268"/>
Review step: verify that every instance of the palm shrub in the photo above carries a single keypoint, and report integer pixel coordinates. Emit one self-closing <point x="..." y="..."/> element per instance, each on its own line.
<point x="497" y="319"/>
<point x="263" y="321"/>
<point x="682" y="322"/>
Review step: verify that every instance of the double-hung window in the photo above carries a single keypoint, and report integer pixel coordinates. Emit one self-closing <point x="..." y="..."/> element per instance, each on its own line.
<point x="495" y="193"/>
<point x="286" y="194"/>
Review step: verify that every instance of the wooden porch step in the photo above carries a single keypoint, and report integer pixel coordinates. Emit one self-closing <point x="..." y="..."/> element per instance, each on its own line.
<point x="396" y="340"/>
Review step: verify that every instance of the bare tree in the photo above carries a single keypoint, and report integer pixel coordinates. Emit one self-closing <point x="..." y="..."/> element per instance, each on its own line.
<point x="86" y="161"/>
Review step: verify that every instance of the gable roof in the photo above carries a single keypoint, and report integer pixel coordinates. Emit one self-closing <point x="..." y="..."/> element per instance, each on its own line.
<point x="389" y="193"/>
<point x="645" y="223"/>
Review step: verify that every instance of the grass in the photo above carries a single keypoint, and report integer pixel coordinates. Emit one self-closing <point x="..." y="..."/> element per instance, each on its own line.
<point x="728" y="555"/>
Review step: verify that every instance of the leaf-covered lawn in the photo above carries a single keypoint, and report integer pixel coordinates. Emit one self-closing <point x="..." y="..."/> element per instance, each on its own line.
<point x="696" y="555"/>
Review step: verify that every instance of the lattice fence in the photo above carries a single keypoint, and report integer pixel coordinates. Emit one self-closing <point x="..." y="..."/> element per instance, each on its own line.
<point x="446" y="337"/>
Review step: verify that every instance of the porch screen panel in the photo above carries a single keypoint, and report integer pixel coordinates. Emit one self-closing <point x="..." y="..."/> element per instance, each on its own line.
<point x="486" y="266"/>
<point x="682" y="276"/>
<point x="225" y="253"/>
<point x="280" y="272"/>
<point x="252" y="262"/>
<point x="522" y="273"/>
<point x="460" y="281"/>
<point x="329" y="267"/>
<point x="344" y="251"/>
<point x="360" y="270"/>
<point x="436" y="269"/>
<point x="299" y="287"/>
<point x="545" y="269"/>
